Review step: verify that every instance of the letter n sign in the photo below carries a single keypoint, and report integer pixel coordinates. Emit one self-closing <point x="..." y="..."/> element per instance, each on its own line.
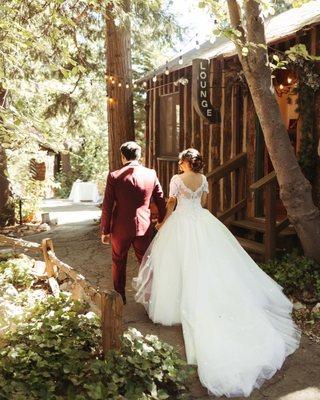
<point x="201" y="91"/>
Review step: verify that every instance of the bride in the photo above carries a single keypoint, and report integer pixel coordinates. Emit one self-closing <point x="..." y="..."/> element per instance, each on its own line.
<point x="236" y="321"/>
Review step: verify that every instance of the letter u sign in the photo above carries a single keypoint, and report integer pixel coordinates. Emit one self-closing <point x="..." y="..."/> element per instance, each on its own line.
<point x="201" y="92"/>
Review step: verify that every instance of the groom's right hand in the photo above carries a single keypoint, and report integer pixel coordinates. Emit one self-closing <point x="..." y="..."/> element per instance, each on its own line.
<point x="105" y="239"/>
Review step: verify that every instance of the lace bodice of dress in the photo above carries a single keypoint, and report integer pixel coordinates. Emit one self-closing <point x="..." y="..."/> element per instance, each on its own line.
<point x="184" y="195"/>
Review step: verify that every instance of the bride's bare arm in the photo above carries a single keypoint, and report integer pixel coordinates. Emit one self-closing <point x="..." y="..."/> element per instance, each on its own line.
<point x="170" y="207"/>
<point x="204" y="199"/>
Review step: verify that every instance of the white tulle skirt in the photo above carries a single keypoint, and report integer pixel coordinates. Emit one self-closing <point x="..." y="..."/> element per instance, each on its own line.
<point x="236" y="321"/>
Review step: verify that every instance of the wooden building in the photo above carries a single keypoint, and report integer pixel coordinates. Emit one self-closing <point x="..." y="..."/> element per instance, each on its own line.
<point x="243" y="186"/>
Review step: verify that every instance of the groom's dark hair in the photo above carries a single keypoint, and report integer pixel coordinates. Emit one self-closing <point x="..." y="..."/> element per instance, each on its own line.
<point x="131" y="151"/>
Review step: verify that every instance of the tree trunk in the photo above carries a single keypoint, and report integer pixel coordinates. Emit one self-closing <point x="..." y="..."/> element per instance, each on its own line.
<point x="6" y="203"/>
<point x="120" y="97"/>
<point x="295" y="189"/>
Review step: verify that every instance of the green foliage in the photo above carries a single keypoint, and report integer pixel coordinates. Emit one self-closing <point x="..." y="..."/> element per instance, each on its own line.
<point x="148" y="368"/>
<point x="64" y="184"/>
<point x="52" y="76"/>
<point x="16" y="271"/>
<point x="52" y="350"/>
<point x="296" y="274"/>
<point x="55" y="354"/>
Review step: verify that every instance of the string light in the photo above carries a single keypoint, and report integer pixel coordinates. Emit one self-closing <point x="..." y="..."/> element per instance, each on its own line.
<point x="197" y="43"/>
<point x="122" y="81"/>
<point x="167" y="72"/>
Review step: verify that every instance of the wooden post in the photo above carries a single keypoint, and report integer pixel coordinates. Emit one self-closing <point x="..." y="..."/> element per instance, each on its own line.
<point x="270" y="235"/>
<point x="47" y="245"/>
<point x="51" y="270"/>
<point x="111" y="315"/>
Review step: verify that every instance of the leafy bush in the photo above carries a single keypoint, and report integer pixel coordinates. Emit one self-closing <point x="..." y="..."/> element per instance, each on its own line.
<point x="299" y="275"/>
<point x="64" y="184"/>
<point x="16" y="271"/>
<point x="55" y="353"/>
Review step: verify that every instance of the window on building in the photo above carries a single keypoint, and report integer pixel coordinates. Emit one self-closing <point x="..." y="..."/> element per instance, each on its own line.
<point x="169" y="125"/>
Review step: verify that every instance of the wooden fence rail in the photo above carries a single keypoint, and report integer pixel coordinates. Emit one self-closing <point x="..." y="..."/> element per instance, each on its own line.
<point x="106" y="303"/>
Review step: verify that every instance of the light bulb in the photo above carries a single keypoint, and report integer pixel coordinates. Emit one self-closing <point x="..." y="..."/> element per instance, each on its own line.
<point x="167" y="72"/>
<point x="180" y="60"/>
<point x="281" y="86"/>
<point x="135" y="86"/>
<point x="197" y="45"/>
<point x="127" y="85"/>
<point x="289" y="80"/>
<point x="144" y="84"/>
<point x="110" y="78"/>
<point x="119" y="84"/>
<point x="154" y="79"/>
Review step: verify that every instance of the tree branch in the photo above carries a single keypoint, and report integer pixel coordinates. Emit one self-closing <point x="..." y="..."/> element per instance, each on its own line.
<point x="236" y="23"/>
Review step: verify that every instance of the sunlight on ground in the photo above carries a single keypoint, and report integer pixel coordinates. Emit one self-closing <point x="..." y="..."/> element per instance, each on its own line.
<point x="310" y="393"/>
<point x="68" y="212"/>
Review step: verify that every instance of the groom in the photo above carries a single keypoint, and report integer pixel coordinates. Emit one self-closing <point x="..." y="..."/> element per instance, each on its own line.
<point x="126" y="218"/>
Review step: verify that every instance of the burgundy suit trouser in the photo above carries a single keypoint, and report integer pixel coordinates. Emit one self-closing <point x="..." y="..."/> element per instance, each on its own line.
<point x="120" y="247"/>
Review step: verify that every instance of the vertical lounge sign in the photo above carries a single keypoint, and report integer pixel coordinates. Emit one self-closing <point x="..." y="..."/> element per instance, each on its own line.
<point x="201" y="91"/>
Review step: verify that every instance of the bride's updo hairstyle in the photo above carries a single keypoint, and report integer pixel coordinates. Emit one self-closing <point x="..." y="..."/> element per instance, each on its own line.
<point x="193" y="157"/>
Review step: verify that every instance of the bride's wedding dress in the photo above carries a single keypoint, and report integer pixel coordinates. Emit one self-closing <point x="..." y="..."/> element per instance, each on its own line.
<point x="236" y="321"/>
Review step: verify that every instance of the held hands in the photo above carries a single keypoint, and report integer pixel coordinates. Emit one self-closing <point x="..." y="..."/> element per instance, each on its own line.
<point x="105" y="239"/>
<point x="159" y="225"/>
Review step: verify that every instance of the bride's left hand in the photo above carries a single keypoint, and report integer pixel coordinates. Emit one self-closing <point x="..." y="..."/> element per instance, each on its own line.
<point x="159" y="225"/>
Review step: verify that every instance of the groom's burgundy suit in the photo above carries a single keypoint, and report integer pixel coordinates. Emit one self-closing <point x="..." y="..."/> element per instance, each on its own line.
<point x="126" y="215"/>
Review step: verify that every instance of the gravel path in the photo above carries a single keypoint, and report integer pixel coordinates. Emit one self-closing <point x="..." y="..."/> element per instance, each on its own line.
<point x="76" y="242"/>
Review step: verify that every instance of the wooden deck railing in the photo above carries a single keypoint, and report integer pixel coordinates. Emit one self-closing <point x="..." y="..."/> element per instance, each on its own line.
<point x="236" y="167"/>
<point x="106" y="303"/>
<point x="269" y="185"/>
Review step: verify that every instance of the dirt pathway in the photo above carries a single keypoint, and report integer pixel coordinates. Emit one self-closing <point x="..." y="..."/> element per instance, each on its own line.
<point x="76" y="242"/>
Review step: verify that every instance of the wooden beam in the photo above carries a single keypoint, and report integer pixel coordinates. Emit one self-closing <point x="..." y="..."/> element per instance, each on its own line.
<point x="270" y="235"/>
<point x="23" y="244"/>
<point x="227" y="167"/>
<point x="233" y="210"/>
<point x="264" y="181"/>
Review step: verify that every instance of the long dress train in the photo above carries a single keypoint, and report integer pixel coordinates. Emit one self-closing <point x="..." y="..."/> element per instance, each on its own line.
<point x="236" y="321"/>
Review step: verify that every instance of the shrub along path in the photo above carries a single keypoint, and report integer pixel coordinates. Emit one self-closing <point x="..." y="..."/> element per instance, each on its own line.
<point x="77" y="243"/>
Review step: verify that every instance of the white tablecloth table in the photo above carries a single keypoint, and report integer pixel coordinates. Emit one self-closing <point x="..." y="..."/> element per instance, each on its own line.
<point x="84" y="191"/>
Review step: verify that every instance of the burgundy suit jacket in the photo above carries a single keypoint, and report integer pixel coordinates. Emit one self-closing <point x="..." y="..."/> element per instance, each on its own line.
<point x="126" y="204"/>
